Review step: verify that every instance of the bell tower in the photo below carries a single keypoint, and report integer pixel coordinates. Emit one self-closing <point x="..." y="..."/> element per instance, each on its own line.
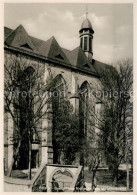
<point x="86" y="36"/>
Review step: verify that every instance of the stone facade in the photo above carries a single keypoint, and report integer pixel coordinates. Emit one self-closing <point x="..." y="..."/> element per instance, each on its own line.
<point x="73" y="75"/>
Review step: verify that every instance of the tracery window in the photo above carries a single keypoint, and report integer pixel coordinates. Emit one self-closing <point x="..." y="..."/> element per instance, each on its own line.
<point x="58" y="97"/>
<point x="84" y="100"/>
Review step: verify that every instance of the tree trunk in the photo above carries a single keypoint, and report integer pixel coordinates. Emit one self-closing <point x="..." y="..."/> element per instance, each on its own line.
<point x="115" y="176"/>
<point x="29" y="175"/>
<point x="127" y="177"/>
<point x="14" y="159"/>
<point x="93" y="180"/>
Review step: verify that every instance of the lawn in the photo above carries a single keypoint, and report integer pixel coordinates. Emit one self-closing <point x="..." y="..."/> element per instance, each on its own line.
<point x="104" y="177"/>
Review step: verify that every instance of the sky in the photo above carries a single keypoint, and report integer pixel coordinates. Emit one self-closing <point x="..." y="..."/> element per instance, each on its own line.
<point x="112" y="24"/>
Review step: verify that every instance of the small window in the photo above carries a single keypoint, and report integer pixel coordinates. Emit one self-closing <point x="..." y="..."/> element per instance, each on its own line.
<point x="81" y="42"/>
<point x="60" y="57"/>
<point x="26" y="46"/>
<point x="85" y="43"/>
<point x="90" y="44"/>
<point x="86" y="65"/>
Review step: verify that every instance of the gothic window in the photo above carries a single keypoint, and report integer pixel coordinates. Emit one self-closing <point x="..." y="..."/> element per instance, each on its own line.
<point x="59" y="89"/>
<point x="84" y="99"/>
<point x="58" y="100"/>
<point x="83" y="111"/>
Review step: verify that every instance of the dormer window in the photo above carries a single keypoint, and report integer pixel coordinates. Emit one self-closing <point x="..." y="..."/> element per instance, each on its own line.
<point x="86" y="65"/>
<point x="26" y="46"/>
<point x="60" y="57"/>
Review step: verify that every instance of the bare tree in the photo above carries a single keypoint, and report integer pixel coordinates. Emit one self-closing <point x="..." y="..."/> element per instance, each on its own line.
<point x="112" y="128"/>
<point x="25" y="96"/>
<point x="116" y="114"/>
<point x="90" y="136"/>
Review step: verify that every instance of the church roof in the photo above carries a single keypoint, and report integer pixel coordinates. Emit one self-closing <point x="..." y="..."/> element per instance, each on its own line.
<point x="78" y="58"/>
<point x="19" y="40"/>
<point x="101" y="67"/>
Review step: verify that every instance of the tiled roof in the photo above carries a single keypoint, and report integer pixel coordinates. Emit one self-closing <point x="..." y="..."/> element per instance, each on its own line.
<point x="7" y="31"/>
<point x="19" y="38"/>
<point x="101" y="67"/>
<point x="76" y="58"/>
<point x="56" y="52"/>
<point x="66" y="51"/>
<point x="44" y="48"/>
<point x="73" y="56"/>
<point x="79" y="59"/>
<point x="83" y="61"/>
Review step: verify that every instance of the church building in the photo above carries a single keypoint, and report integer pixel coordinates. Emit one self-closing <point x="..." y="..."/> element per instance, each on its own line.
<point x="75" y="70"/>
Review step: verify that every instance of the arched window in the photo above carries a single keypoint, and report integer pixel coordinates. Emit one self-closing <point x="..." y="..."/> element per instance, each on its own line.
<point x="58" y="101"/>
<point x="59" y="89"/>
<point x="84" y="101"/>
<point x="84" y="111"/>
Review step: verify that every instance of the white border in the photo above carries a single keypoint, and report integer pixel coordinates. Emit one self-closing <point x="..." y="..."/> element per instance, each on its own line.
<point x="134" y="86"/>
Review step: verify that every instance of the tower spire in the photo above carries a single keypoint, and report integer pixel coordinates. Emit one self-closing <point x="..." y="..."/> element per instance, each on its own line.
<point x="86" y="11"/>
<point x="86" y="36"/>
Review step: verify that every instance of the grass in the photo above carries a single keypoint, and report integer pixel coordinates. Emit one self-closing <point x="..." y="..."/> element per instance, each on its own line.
<point x="104" y="178"/>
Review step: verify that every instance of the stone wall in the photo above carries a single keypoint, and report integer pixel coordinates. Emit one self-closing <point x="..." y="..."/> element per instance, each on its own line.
<point x="73" y="80"/>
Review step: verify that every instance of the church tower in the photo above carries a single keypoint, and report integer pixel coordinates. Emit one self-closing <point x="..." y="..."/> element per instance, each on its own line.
<point x="86" y="36"/>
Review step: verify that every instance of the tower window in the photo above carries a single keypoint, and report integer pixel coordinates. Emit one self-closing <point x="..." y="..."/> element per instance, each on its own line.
<point x="81" y="41"/>
<point x="90" y="46"/>
<point x="85" y="43"/>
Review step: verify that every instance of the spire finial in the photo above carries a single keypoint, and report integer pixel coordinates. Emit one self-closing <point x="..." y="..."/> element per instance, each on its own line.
<point x="86" y="11"/>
